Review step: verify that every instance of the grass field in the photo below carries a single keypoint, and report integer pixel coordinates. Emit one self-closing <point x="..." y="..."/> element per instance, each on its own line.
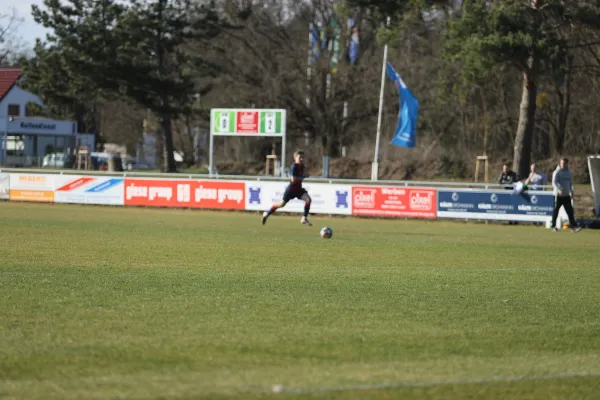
<point x="114" y="303"/>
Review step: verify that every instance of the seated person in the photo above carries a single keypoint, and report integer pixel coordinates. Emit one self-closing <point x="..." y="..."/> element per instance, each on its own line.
<point x="536" y="179"/>
<point x="507" y="177"/>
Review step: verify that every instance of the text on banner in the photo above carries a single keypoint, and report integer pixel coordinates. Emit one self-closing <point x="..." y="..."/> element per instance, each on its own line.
<point x="89" y="190"/>
<point x="32" y="187"/>
<point x="393" y="202"/>
<point x="185" y="193"/>
<point x="495" y="205"/>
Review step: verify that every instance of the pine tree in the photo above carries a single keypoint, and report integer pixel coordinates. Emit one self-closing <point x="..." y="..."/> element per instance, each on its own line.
<point x="527" y="35"/>
<point x="135" y="50"/>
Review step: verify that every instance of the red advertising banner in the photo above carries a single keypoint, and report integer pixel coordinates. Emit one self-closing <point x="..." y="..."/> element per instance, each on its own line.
<point x="185" y="193"/>
<point x="407" y="202"/>
<point x="247" y="122"/>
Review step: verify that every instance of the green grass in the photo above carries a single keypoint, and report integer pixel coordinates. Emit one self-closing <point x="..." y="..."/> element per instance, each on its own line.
<point x="114" y="303"/>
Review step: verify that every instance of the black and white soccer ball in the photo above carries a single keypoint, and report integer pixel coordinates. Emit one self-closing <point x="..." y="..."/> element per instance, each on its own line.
<point x="326" y="233"/>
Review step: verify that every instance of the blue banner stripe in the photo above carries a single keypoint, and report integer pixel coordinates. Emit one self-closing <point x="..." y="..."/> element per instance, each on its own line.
<point x="462" y="204"/>
<point x="105" y="185"/>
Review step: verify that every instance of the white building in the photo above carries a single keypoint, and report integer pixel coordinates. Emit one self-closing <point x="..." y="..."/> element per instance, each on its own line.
<point x="27" y="139"/>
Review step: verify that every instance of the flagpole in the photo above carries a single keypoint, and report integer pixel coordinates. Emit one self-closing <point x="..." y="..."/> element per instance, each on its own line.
<point x="309" y="62"/>
<point x="375" y="165"/>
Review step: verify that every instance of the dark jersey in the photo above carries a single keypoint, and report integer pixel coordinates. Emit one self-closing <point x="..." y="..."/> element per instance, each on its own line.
<point x="509" y="178"/>
<point x="297" y="171"/>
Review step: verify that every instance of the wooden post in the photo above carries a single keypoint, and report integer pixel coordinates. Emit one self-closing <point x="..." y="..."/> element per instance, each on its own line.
<point x="483" y="159"/>
<point x="83" y="157"/>
<point x="272" y="156"/>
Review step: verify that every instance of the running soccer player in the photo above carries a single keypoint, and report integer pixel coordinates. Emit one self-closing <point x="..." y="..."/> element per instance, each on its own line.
<point x="294" y="190"/>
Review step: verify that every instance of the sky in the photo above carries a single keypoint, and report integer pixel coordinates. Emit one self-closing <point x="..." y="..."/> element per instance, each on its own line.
<point x="28" y="30"/>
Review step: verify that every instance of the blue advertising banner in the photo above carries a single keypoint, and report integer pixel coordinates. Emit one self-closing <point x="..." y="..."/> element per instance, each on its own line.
<point x="534" y="206"/>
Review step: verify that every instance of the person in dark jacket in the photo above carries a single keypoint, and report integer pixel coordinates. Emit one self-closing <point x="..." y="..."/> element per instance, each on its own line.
<point x="507" y="177"/>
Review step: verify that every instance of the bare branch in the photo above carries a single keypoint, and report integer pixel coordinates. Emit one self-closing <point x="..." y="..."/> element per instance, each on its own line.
<point x="9" y="41"/>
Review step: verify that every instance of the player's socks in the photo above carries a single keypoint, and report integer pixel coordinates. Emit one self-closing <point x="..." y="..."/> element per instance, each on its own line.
<point x="304" y="219"/>
<point x="267" y="213"/>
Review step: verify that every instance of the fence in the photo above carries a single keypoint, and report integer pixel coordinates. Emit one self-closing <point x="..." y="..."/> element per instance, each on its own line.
<point x="390" y="199"/>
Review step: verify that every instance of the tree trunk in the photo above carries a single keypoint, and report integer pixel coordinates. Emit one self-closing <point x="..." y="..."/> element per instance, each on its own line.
<point x="544" y="141"/>
<point x="524" y="137"/>
<point x="330" y="138"/>
<point x="329" y="145"/>
<point x="167" y="131"/>
<point x="565" y="106"/>
<point x="486" y="122"/>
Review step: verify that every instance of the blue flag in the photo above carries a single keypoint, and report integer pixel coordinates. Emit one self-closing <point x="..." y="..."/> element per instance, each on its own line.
<point x="406" y="130"/>
<point x="353" y="42"/>
<point x="315" y="42"/>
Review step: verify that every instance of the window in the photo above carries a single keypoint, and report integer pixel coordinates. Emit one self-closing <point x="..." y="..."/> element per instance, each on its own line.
<point x="59" y="144"/>
<point x="14" y="145"/>
<point x="14" y="110"/>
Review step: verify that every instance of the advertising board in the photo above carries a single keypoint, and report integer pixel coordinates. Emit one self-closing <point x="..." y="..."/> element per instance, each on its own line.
<point x="4" y="186"/>
<point x="390" y="201"/>
<point x="326" y="199"/>
<point x="534" y="206"/>
<point x="222" y="195"/>
<point x="88" y="190"/>
<point x="32" y="187"/>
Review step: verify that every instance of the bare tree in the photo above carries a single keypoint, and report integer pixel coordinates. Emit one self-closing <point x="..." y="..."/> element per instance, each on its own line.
<point x="120" y="121"/>
<point x="10" y="44"/>
<point x="269" y="66"/>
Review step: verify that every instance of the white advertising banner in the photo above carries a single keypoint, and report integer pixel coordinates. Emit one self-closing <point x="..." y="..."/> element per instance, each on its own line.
<point x="89" y="190"/>
<point x="326" y="198"/>
<point x="41" y="127"/>
<point x="4" y="186"/>
<point x="32" y="187"/>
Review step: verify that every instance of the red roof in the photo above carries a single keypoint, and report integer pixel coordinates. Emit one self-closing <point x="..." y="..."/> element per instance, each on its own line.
<point x="8" y="78"/>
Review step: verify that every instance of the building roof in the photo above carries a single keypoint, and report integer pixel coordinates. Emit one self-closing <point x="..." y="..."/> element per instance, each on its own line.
<point x="8" y="78"/>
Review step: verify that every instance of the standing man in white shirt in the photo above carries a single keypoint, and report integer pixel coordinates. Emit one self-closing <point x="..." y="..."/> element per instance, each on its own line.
<point x="562" y="182"/>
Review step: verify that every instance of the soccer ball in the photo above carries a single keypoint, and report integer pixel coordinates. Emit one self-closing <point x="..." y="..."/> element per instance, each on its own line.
<point x="326" y="233"/>
<point x="561" y="222"/>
